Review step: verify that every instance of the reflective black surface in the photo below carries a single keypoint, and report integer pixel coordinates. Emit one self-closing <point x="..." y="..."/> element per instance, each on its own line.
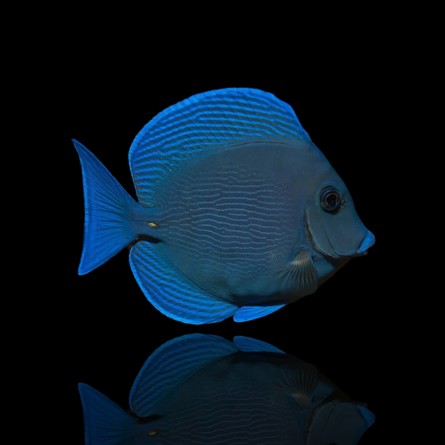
<point x="99" y="329"/>
<point x="201" y="389"/>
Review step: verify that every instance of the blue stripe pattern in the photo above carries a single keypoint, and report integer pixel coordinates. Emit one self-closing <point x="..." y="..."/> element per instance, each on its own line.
<point x="170" y="365"/>
<point x="203" y="123"/>
<point x="231" y="224"/>
<point x="248" y="344"/>
<point x="170" y="292"/>
<point x="234" y="402"/>
<point x="107" y="206"/>
<point x="245" y="415"/>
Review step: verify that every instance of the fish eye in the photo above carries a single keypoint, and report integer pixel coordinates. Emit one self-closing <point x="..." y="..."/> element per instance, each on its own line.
<point x="330" y="199"/>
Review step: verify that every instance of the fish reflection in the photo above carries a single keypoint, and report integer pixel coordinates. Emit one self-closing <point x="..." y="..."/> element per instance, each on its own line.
<point x="203" y="389"/>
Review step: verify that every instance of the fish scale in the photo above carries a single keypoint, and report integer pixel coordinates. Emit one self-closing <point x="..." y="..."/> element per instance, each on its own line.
<point x="238" y="212"/>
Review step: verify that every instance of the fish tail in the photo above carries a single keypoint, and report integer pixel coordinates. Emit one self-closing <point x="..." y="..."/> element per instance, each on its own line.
<point x="105" y="422"/>
<point x="108" y="207"/>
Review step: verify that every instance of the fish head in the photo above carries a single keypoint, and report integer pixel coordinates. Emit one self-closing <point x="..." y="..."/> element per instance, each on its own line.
<point x="332" y="223"/>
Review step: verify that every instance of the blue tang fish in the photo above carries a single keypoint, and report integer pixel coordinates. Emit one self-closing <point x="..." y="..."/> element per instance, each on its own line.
<point x="202" y="389"/>
<point x="238" y="212"/>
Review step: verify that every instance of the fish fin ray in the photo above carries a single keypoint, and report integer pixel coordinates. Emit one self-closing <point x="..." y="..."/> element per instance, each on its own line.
<point x="107" y="229"/>
<point x="171" y="292"/>
<point x="301" y="271"/>
<point x="105" y="422"/>
<point x="203" y="123"/>
<point x="247" y="313"/>
<point x="303" y="384"/>
<point x="170" y="365"/>
<point x="247" y="344"/>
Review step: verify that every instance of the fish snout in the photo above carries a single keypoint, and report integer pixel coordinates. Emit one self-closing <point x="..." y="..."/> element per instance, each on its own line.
<point x="366" y="243"/>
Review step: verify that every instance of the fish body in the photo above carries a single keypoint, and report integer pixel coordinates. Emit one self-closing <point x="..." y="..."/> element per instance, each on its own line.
<point x="238" y="212"/>
<point x="201" y="389"/>
<point x="232" y="222"/>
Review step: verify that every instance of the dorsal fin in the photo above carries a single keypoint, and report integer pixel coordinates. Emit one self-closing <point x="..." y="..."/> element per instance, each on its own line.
<point x="205" y="122"/>
<point x="170" y="365"/>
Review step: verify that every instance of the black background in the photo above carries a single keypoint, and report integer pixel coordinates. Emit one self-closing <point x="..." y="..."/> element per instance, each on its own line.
<point x="99" y="328"/>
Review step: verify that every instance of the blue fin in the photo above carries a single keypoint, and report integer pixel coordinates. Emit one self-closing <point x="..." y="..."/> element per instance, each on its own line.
<point x="247" y="344"/>
<point x="367" y="415"/>
<point x="105" y="422"/>
<point x="172" y="293"/>
<point x="170" y="365"/>
<point x="203" y="123"/>
<point x="107" y="206"/>
<point x="247" y="313"/>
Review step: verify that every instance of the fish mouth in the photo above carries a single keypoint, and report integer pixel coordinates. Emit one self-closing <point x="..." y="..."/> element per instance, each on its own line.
<point x="367" y="243"/>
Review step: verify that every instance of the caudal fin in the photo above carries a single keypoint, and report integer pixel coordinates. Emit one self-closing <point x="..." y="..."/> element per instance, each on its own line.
<point x="105" y="422"/>
<point x="107" y="207"/>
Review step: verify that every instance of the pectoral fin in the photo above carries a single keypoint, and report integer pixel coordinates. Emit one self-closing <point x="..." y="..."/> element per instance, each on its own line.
<point x="303" y="384"/>
<point x="301" y="275"/>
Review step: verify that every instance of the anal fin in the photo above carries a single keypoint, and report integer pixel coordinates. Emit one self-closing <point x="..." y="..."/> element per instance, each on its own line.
<point x="171" y="292"/>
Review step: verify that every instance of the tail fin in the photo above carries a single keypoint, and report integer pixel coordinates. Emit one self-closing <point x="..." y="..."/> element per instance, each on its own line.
<point x="105" y="422"/>
<point x="107" y="205"/>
